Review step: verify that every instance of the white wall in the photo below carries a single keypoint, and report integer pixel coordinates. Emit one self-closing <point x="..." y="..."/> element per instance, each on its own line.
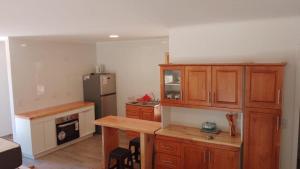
<point x="271" y="40"/>
<point x="5" y="117"/>
<point x="136" y="66"/>
<point x="55" y="66"/>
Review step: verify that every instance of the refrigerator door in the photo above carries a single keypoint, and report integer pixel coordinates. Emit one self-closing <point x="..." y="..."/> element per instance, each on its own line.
<point x="108" y="105"/>
<point x="107" y="84"/>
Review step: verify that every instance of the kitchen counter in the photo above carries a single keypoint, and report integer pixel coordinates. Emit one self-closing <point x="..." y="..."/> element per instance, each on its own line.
<point x="123" y="123"/>
<point x="145" y="104"/>
<point x="194" y="134"/>
<point x="54" y="110"/>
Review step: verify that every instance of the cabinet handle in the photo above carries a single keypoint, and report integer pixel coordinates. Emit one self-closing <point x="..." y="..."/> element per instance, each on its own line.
<point x="181" y="96"/>
<point x="204" y="157"/>
<point x="209" y="97"/>
<point x="209" y="157"/>
<point x="278" y="123"/>
<point x="278" y="96"/>
<point x="214" y="97"/>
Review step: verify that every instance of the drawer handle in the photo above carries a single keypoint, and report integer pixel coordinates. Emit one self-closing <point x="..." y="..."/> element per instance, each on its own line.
<point x="278" y="96"/>
<point x="278" y="123"/>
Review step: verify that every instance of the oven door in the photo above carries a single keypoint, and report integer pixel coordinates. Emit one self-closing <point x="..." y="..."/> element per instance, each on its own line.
<point x="67" y="131"/>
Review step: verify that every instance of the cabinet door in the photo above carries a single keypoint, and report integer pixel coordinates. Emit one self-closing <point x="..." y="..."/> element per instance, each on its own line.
<point x="83" y="127"/>
<point x="172" y="85"/>
<point x="227" y="82"/>
<point x="263" y="86"/>
<point x="147" y="113"/>
<point x="38" y="137"/>
<point x="198" y="85"/>
<point x="194" y="157"/>
<point x="223" y="159"/>
<point x="90" y="121"/>
<point x="261" y="139"/>
<point x="50" y="137"/>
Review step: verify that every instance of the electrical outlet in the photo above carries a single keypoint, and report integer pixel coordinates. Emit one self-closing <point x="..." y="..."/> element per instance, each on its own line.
<point x="40" y="90"/>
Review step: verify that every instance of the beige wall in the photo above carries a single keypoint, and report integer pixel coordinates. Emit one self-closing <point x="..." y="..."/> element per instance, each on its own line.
<point x="5" y="118"/>
<point x="136" y="66"/>
<point x="272" y="40"/>
<point x="55" y="66"/>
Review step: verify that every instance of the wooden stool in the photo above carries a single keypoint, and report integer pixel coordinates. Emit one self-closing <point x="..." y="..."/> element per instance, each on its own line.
<point x="120" y="155"/>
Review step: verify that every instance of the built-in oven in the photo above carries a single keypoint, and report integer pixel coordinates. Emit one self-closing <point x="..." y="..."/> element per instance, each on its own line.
<point x="67" y="128"/>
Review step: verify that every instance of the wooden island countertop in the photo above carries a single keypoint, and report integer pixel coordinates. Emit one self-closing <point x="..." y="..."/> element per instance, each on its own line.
<point x="194" y="134"/>
<point x="123" y="123"/>
<point x="54" y="110"/>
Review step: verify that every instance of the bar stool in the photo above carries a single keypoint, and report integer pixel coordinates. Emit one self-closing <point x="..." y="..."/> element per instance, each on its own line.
<point x="120" y="155"/>
<point x="136" y="144"/>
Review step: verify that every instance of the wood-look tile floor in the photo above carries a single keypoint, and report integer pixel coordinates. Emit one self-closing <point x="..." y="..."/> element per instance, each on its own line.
<point x="82" y="155"/>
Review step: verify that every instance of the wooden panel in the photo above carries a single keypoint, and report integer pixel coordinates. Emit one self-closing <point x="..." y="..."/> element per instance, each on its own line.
<point x="264" y="86"/>
<point x="198" y="85"/>
<point x="168" y="146"/>
<point x="110" y="141"/>
<point x="194" y="157"/>
<point x="227" y="84"/>
<point x="147" y="143"/>
<point x="162" y="85"/>
<point x="223" y="159"/>
<point x="262" y="130"/>
<point x="168" y="161"/>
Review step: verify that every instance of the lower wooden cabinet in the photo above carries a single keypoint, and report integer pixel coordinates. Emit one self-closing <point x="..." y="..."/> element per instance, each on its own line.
<point x="261" y="138"/>
<point x="194" y="157"/>
<point x="174" y="153"/>
<point x="151" y="113"/>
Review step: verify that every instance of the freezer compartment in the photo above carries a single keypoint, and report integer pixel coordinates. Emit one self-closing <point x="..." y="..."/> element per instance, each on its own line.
<point x="107" y="84"/>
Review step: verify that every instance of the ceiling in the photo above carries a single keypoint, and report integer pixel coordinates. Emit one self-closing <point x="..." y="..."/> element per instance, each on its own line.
<point x="94" y="20"/>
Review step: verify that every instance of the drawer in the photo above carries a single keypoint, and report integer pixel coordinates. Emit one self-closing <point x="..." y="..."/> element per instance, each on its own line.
<point x="132" y="113"/>
<point x="133" y="116"/>
<point x="168" y="147"/>
<point x="132" y="108"/>
<point x="147" y="109"/>
<point x="148" y="116"/>
<point x="167" y="161"/>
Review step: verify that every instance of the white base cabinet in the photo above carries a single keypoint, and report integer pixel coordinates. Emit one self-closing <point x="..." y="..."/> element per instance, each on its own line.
<point x="37" y="137"/>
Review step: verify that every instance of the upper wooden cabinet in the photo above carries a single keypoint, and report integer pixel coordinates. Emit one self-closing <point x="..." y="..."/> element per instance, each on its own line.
<point x="198" y="85"/>
<point x="172" y="84"/>
<point x="264" y="86"/>
<point x="227" y="85"/>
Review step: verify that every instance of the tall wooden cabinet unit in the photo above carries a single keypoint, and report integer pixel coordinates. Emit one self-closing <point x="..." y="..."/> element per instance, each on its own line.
<point x="262" y="117"/>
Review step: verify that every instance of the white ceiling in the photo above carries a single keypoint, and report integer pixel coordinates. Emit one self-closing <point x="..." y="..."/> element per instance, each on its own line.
<point x="94" y="20"/>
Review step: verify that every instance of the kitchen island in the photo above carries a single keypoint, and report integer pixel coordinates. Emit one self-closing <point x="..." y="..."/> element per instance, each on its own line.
<point x="110" y="139"/>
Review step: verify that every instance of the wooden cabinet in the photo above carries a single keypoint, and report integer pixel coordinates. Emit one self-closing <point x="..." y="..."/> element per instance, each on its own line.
<point x="198" y="85"/>
<point x="262" y="138"/>
<point x="86" y="125"/>
<point x="264" y="86"/>
<point x="227" y="86"/>
<point x="151" y="113"/>
<point x="203" y="86"/>
<point x="175" y="153"/>
<point x="172" y="85"/>
<point x="222" y="158"/>
<point x="194" y="157"/>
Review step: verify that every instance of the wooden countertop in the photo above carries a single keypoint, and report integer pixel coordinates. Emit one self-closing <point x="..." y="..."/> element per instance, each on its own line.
<point x="124" y="123"/>
<point x="53" y="110"/>
<point x="194" y="134"/>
